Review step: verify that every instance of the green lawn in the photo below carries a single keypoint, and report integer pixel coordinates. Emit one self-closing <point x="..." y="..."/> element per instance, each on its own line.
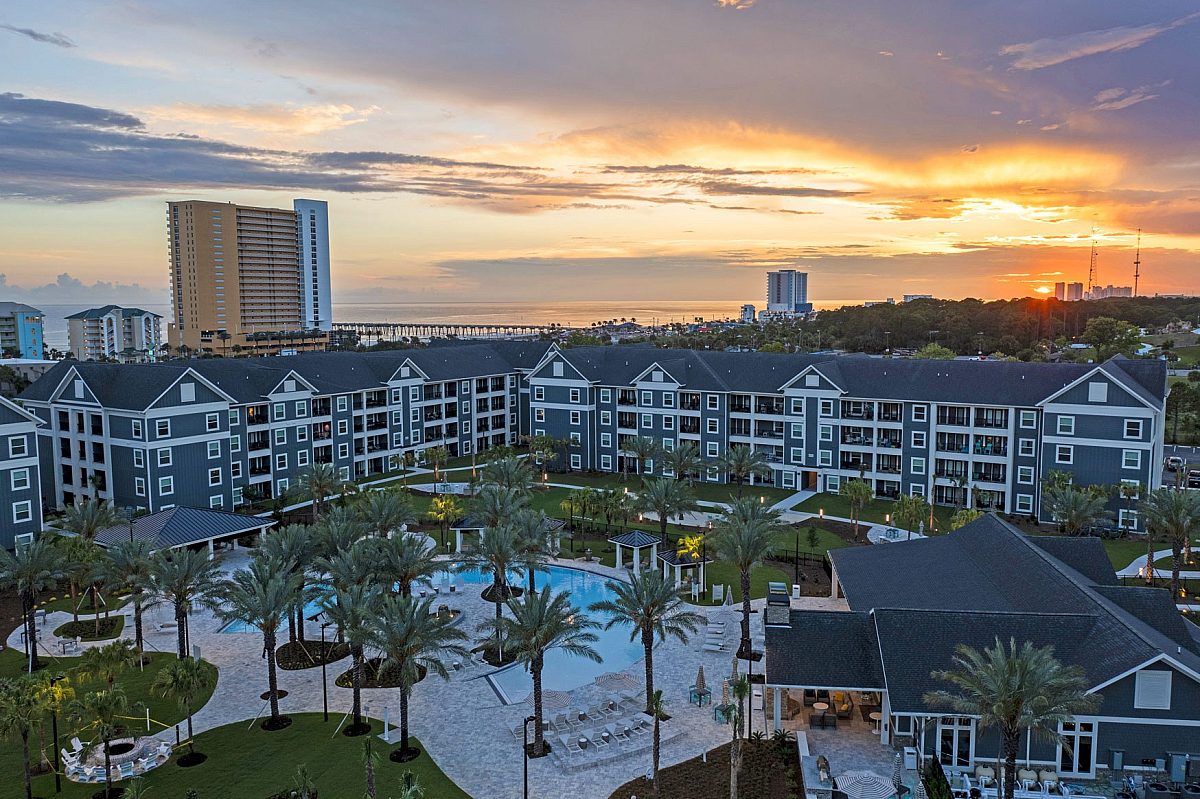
<point x="1122" y="552"/>
<point x="63" y="603"/>
<point x="710" y="492"/>
<point x="876" y="510"/>
<point x="1188" y="356"/>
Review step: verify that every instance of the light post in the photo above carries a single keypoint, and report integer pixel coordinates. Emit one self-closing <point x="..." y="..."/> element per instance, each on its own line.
<point x="525" y="750"/>
<point x="324" y="680"/>
<point x="54" y="732"/>
<point x="796" y="559"/>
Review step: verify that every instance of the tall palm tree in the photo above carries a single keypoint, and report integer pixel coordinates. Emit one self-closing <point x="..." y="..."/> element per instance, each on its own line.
<point x="292" y="546"/>
<point x="260" y="594"/>
<point x="404" y="561"/>
<point x="910" y="512"/>
<point x="684" y="461"/>
<point x="858" y="493"/>
<point x="78" y="562"/>
<point x="89" y="516"/>
<point x="666" y="498"/>
<point x="643" y="448"/>
<point x="1174" y="516"/>
<point x="129" y="566"/>
<point x="495" y="553"/>
<point x="1014" y="688"/>
<point x="741" y="691"/>
<point x="534" y="547"/>
<point x="353" y="609"/>
<point x="511" y="472"/>
<point x="320" y="481"/>
<point x="385" y="512"/>
<point x="185" y="681"/>
<point x="742" y="463"/>
<point x="102" y="710"/>
<point x="540" y="623"/>
<point x="744" y="536"/>
<point x="412" y="637"/>
<point x="338" y="530"/>
<point x="654" y="609"/>
<point x="107" y="662"/>
<point x="1075" y="509"/>
<point x="28" y="571"/>
<point x="445" y="510"/>
<point x="21" y="710"/>
<point x="183" y="577"/>
<point x="494" y="504"/>
<point x="655" y="709"/>
<point x="436" y="456"/>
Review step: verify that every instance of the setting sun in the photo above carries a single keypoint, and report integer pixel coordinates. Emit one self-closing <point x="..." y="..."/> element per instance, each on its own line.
<point x="1043" y="290"/>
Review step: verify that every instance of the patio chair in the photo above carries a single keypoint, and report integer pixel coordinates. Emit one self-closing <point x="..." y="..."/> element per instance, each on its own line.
<point x="816" y="721"/>
<point x="460" y="584"/>
<point x="810" y="697"/>
<point x="570" y="745"/>
<point x="594" y="713"/>
<point x="713" y="646"/>
<point x="125" y="770"/>
<point x="515" y="727"/>
<point x="76" y="772"/>
<point x="560" y="722"/>
<point x="145" y="763"/>
<point x="636" y="730"/>
<point x="617" y="732"/>
<point x="165" y="749"/>
<point x="94" y="774"/>
<point x="986" y="775"/>
<point x="1049" y="780"/>
<point x="597" y="739"/>
<point x="76" y="745"/>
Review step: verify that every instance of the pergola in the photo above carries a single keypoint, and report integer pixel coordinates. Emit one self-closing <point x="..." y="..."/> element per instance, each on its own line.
<point x="178" y="528"/>
<point x="635" y="540"/>
<point x="677" y="564"/>
<point x="476" y="526"/>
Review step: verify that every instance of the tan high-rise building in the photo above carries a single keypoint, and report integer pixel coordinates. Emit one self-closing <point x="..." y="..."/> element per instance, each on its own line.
<point x="236" y="280"/>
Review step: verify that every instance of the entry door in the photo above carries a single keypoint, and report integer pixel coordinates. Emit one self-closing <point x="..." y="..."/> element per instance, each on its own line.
<point x="1077" y="752"/>
<point x="956" y="738"/>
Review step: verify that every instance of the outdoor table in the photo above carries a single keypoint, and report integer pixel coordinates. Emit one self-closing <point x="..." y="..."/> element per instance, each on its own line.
<point x="582" y="716"/>
<point x="700" y="696"/>
<point x="820" y="707"/>
<point x="583" y="742"/>
<point x="606" y="736"/>
<point x="628" y="732"/>
<point x="876" y="717"/>
<point x="721" y="713"/>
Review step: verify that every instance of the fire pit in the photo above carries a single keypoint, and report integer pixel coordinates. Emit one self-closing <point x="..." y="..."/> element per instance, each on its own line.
<point x="118" y="748"/>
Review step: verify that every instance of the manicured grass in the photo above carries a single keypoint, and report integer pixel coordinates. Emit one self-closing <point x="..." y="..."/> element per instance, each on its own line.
<point x="84" y="604"/>
<point x="709" y="492"/>
<point x="1122" y="552"/>
<point x="1188" y="356"/>
<point x="86" y="629"/>
<point x="876" y="510"/>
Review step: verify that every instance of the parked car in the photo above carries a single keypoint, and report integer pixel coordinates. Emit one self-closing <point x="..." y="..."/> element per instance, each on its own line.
<point x="1193" y="478"/>
<point x="1174" y="463"/>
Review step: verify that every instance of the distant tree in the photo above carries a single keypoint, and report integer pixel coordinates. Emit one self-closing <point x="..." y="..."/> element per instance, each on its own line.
<point x="935" y="352"/>
<point x="964" y="517"/>
<point x="1109" y="337"/>
<point x="858" y="493"/>
<point x="772" y="346"/>
<point x="910" y="512"/>
<point x="742" y="463"/>
<point x="1075" y="509"/>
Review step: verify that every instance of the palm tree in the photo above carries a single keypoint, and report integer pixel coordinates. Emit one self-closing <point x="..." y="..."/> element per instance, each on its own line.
<point x="354" y="608"/>
<point x="414" y="638"/>
<point x="494" y="504"/>
<point x="260" y="595"/>
<point x="1076" y="509"/>
<point x="103" y="711"/>
<point x="742" y="463"/>
<point x="185" y="681"/>
<point x="21" y="709"/>
<point x="744" y="536"/>
<point x="656" y="710"/>
<point x="106" y="662"/>
<point x="643" y="448"/>
<point x="684" y="461"/>
<point x="543" y="449"/>
<point x="666" y="498"/>
<point x="858" y="493"/>
<point x="511" y="472"/>
<point x="337" y="532"/>
<point x="28" y="571"/>
<point x="964" y="517"/>
<point x="540" y="623"/>
<point x="1014" y="688"/>
<point x="534" y="548"/>
<point x="436" y="456"/>
<point x="183" y="577"/>
<point x="655" y="610"/>
<point x="293" y="547"/>
<point x="495" y="553"/>
<point x="1129" y="493"/>
<point x="1174" y="516"/>
<point x="445" y="510"/>
<point x="741" y="690"/>
<point x="89" y="516"/>
<point x="129" y="566"/>
<point x="404" y="561"/>
<point x="319" y="481"/>
<point x="910" y="512"/>
<point x="384" y="512"/>
<point x="78" y="560"/>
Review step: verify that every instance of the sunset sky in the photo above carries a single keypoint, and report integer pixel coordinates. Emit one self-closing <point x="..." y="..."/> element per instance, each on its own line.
<point x="650" y="149"/>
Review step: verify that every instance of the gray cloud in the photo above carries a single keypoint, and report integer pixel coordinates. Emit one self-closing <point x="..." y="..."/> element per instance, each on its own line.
<point x="731" y="187"/>
<point x="67" y="289"/>
<point x="56" y="39"/>
<point x="1050" y="51"/>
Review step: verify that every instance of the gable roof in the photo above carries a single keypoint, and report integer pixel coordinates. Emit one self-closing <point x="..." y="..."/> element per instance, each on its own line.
<point x="11" y="412"/>
<point x="847" y="645"/>
<point x="635" y="538"/>
<point x="177" y="527"/>
<point x="96" y="313"/>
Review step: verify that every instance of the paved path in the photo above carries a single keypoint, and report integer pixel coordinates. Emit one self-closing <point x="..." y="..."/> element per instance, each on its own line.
<point x="1138" y="566"/>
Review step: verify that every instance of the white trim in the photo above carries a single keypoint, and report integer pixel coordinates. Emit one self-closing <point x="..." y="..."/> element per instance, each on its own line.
<point x="1160" y="658"/>
<point x="1106" y="443"/>
<point x="1086" y="377"/>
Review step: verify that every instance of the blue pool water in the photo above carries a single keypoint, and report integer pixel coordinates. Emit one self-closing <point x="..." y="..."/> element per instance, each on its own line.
<point x="562" y="672"/>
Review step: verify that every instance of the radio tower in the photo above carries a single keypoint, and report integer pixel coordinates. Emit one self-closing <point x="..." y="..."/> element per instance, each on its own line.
<point x="1137" y="262"/>
<point x="1092" y="267"/>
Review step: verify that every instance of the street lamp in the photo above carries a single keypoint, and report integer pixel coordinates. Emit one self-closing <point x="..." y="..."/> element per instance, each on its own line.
<point x="525" y="751"/>
<point x="324" y="680"/>
<point x="54" y="732"/>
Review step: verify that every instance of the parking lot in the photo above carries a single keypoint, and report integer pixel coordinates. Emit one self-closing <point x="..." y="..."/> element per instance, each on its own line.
<point x="1191" y="456"/>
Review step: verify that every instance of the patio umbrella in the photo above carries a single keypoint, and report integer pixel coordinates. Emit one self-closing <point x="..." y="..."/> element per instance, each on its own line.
<point x="898" y="771"/>
<point x="725" y="692"/>
<point x="618" y="681"/>
<point x="728" y="597"/>
<point x="919" y="791"/>
<point x="553" y="700"/>
<point x="865" y="785"/>
<point x="733" y="673"/>
<point x="700" y="686"/>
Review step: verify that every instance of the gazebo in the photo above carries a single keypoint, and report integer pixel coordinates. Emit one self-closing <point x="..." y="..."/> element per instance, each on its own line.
<point x="473" y="524"/>
<point x="177" y="528"/>
<point x="680" y="564"/>
<point x="635" y="540"/>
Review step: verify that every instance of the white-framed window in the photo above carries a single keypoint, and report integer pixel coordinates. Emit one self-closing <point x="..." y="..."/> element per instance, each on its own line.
<point x="1127" y="519"/>
<point x="18" y="479"/>
<point x="1025" y="475"/>
<point x="281" y="461"/>
<point x="163" y="456"/>
<point x="166" y="486"/>
<point x="574" y="438"/>
<point x="397" y="418"/>
<point x="466" y="448"/>
<point x="789" y="479"/>
<point x="712" y="450"/>
<point x="1131" y="459"/>
<point x="668" y="445"/>
<point x="1029" y="419"/>
<point x="797" y="430"/>
<point x="343" y="402"/>
<point x="187" y="392"/>
<point x="824" y="457"/>
<point x="647" y="398"/>
<point x="668" y="399"/>
<point x="214" y="449"/>
<point x="22" y="511"/>
<point x="466" y="428"/>
<point x="1152" y="689"/>
<point x="1097" y="392"/>
<point x="574" y="417"/>
<point x="919" y="439"/>
<point x="1024" y="503"/>
<point x="344" y="450"/>
<point x="826" y="407"/>
<point x="235" y="443"/>
<point x="414" y="415"/>
<point x="605" y="395"/>
<point x="825" y="432"/>
<point x="464" y="387"/>
<point x="1137" y="484"/>
<point x="714" y="402"/>
<point x="574" y="395"/>
<point x="916" y="465"/>
<point x="281" y="487"/>
<point x="397" y="396"/>
<point x="301" y="408"/>
<point x="139" y="458"/>
<point x="1133" y="428"/>
<point x="606" y="461"/>
<point x="648" y="466"/>
<point x="344" y="426"/>
<point x="216" y="501"/>
<point x="1064" y="453"/>
<point x="605" y="417"/>
<point x="576" y="461"/>
<point x="812" y="381"/>
<point x="833" y="483"/>
<point x="212" y="422"/>
<point x="237" y="496"/>
<point x="233" y="417"/>
<point x="556" y="368"/>
<point x="397" y="440"/>
<point x="713" y="426"/>
<point x="920" y="413"/>
<point x="344" y="473"/>
<point x="302" y="458"/>
<point x="466" y="408"/>
<point x="797" y="406"/>
<point x="606" y="439"/>
<point x="414" y="394"/>
<point x="916" y="490"/>
<point x="796" y="455"/>
<point x="280" y="435"/>
<point x="279" y="411"/>
<point x="668" y="422"/>
<point x="135" y="429"/>
<point x="139" y="486"/>
<point x="162" y="428"/>
<point x="1026" y="447"/>
<point x="214" y="477"/>
<point x="539" y="414"/>
<point x="647" y="420"/>
<point x="302" y="433"/>
<point x="1066" y="425"/>
<point x="235" y="470"/>
<point x="539" y="393"/>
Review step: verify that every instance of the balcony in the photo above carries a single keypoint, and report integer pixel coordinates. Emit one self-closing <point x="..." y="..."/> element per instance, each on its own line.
<point x="689" y="402"/>
<point x="996" y="446"/>
<point x="497" y="384"/>
<point x="991" y="418"/>
<point x="856" y="436"/>
<point x="856" y="461"/>
<point x="953" y="442"/>
<point x="960" y="417"/>
<point x="889" y="442"/>
<point x="769" y="407"/>
<point x="739" y="404"/>
<point x="739" y="427"/>
<point x="322" y="432"/>
<point x="891" y="412"/>
<point x="626" y="397"/>
<point x="689" y="425"/>
<point x="377" y="399"/>
<point x="990" y="475"/>
<point x="256" y="415"/>
<point x="853" y="409"/>
<point x="431" y="393"/>
<point x="769" y="430"/>
<point x="627" y="420"/>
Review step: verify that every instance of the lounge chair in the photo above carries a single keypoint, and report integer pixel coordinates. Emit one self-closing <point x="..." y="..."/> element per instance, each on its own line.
<point x="165" y="749"/>
<point x="560" y="723"/>
<point x="713" y="646"/>
<point x="515" y="727"/>
<point x="617" y="732"/>
<point x="76" y="771"/>
<point x="94" y="774"/>
<point x="594" y="713"/>
<point x="125" y="770"/>
<point x="76" y="745"/>
<point x="597" y="739"/>
<point x="144" y="764"/>
<point x="570" y="745"/>
<point x="1027" y="777"/>
<point x="1049" y="780"/>
<point x="460" y="584"/>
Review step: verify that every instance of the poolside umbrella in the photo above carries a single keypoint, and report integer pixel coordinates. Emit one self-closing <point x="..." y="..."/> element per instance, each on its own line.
<point x="700" y="686"/>
<point x="865" y="785"/>
<point x="728" y="597"/>
<point x="725" y="692"/>
<point x="733" y="672"/>
<point x="919" y="791"/>
<point x="898" y="773"/>
<point x="553" y="700"/>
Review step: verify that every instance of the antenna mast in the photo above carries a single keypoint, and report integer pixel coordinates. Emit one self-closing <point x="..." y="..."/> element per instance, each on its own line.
<point x="1092" y="267"/>
<point x="1137" y="262"/>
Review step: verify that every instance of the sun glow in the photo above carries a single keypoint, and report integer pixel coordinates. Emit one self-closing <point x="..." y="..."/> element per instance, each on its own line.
<point x="1043" y="289"/>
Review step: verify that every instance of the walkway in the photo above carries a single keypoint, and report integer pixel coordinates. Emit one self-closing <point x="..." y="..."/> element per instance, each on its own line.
<point x="1138" y="567"/>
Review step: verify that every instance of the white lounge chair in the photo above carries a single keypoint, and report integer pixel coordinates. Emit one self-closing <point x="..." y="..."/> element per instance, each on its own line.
<point x="164" y="750"/>
<point x="125" y="770"/>
<point x="570" y="745"/>
<point x="460" y="584"/>
<point x="76" y="745"/>
<point x="597" y="739"/>
<point x="715" y="646"/>
<point x="617" y="732"/>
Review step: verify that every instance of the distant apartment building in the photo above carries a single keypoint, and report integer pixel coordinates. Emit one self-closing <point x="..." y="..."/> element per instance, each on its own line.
<point x="126" y="335"/>
<point x="20" y="486"/>
<point x="1104" y="292"/>
<point x="749" y="313"/>
<point x="787" y="292"/>
<point x="21" y="331"/>
<point x="1074" y="292"/>
<point x="911" y="297"/>
<point x="248" y="279"/>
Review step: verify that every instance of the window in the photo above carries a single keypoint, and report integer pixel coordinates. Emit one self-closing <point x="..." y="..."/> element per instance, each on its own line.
<point x="18" y="447"/>
<point x="465" y="387"/>
<point x="233" y="417"/>
<point x="797" y="455"/>
<point x="713" y="426"/>
<point x="466" y="407"/>
<point x="1025" y="447"/>
<point x="214" y="477"/>
<point x="919" y="440"/>
<point x="281" y="435"/>
<point x="281" y="461"/>
<point x="139" y="486"/>
<point x="557" y="368"/>
<point x="397" y="440"/>
<point x="1024" y="503"/>
<point x="414" y="395"/>
<point x="574" y="417"/>
<point x="576" y="461"/>
<point x="1029" y="419"/>
<point x="343" y="403"/>
<point x="539" y="393"/>
<point x="714" y="402"/>
<point x="139" y="458"/>
<point x="605" y="417"/>
<point x="466" y="428"/>
<point x="397" y="396"/>
<point x="1066" y="425"/>
<point x="1152" y="690"/>
<point x="539" y="414"/>
<point x="164" y="456"/>
<point x="711" y="449"/>
<point x="216" y="501"/>
<point x="825" y="432"/>
<point x="19" y="479"/>
<point x="279" y="411"/>
<point x="916" y="465"/>
<point x="647" y="420"/>
<point x="301" y="408"/>
<point x="415" y="416"/>
<point x="1131" y="459"/>
<point x="1025" y="475"/>
<point x="343" y="450"/>
<point x="920" y="413"/>
<point x="302" y="433"/>
<point x="344" y="426"/>
<point x="668" y="400"/>
<point x="1136" y="486"/>
<point x="22" y="511"/>
<point x="166" y="486"/>
<point x="605" y="395"/>
<point x="235" y="470"/>
<point x="797" y="430"/>
<point x="187" y="392"/>
<point x="648" y="398"/>
<point x="1097" y="392"/>
<point x="606" y="461"/>
<point x="302" y="458"/>
<point x="826" y="407"/>
<point x="668" y="422"/>
<point x="1064" y="454"/>
<point x="344" y="473"/>
<point x="606" y="439"/>
<point x="833" y="483"/>
<point x="212" y="422"/>
<point x="135" y="429"/>
<point x="574" y="395"/>
<point x="574" y="438"/>
<point x="1127" y="519"/>
<point x="78" y="384"/>
<point x="281" y="487"/>
<point x="1133" y="428"/>
<point x="214" y="449"/>
<point x="797" y="406"/>
<point x="397" y="418"/>
<point x="812" y="381"/>
<point x="237" y="496"/>
<point x="162" y="428"/>
<point x="824" y="458"/>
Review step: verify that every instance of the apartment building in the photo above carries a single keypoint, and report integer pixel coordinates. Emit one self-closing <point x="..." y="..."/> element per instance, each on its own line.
<point x="248" y="279"/>
<point x="215" y="432"/>
<point x="21" y="331"/>
<point x="961" y="433"/>
<point x="787" y="292"/>
<point x="20" y="490"/>
<point x="126" y="335"/>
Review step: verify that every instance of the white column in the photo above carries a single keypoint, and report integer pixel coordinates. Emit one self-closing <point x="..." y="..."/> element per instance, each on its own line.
<point x="637" y="560"/>
<point x="211" y="549"/>
<point x="458" y="540"/>
<point x="618" y="556"/>
<point x="262" y="534"/>
<point x="833" y="582"/>
<point x="777" y="708"/>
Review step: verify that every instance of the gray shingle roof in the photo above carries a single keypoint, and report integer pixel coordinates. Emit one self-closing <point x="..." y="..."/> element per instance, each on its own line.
<point x="824" y="649"/>
<point x="1085" y="555"/>
<point x="9" y="308"/>
<point x="177" y="527"/>
<point x="96" y="313"/>
<point x="635" y="538"/>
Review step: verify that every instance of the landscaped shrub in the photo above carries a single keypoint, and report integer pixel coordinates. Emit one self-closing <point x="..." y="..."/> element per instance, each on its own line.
<point x="936" y="784"/>
<point x="109" y="628"/>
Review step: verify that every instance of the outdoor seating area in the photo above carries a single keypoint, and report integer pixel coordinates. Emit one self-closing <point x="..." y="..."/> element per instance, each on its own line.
<point x="128" y="758"/>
